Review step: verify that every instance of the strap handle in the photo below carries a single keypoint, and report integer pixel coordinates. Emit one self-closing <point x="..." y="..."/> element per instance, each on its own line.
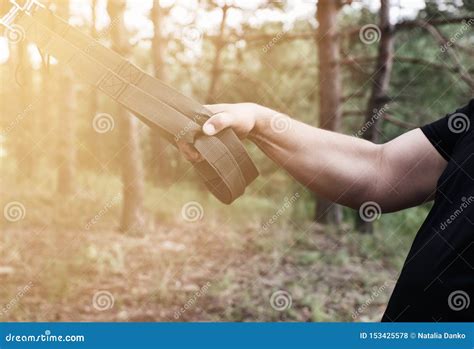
<point x="219" y="169"/>
<point x="158" y="89"/>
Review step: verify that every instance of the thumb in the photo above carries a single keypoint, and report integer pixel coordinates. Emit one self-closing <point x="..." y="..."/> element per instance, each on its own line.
<point x="217" y="123"/>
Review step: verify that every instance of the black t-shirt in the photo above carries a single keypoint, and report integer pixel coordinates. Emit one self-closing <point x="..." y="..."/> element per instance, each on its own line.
<point x="437" y="279"/>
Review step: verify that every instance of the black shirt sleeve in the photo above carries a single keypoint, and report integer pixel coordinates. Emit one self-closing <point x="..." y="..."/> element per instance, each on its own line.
<point x="445" y="132"/>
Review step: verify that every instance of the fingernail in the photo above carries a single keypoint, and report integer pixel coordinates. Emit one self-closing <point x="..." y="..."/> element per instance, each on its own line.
<point x="209" y="129"/>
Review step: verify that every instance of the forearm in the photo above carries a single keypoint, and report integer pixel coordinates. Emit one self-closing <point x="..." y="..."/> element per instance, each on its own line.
<point x="341" y="168"/>
<point x="344" y="169"/>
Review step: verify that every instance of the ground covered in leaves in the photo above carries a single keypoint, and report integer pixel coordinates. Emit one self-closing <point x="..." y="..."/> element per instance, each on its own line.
<point x="194" y="272"/>
<point x="63" y="259"/>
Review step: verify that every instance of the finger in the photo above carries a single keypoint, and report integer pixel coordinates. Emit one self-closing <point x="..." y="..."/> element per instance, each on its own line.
<point x="216" y="108"/>
<point x="189" y="152"/>
<point x="217" y="123"/>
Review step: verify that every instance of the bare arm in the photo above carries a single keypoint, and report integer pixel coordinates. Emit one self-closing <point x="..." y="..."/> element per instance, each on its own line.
<point x="347" y="170"/>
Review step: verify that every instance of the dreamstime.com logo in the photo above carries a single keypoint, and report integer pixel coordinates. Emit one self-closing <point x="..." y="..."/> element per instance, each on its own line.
<point x="103" y="300"/>
<point x="465" y="202"/>
<point x="376" y="292"/>
<point x="268" y="46"/>
<point x="458" y="123"/>
<point x="288" y="202"/>
<point x="19" y="118"/>
<point x="459" y="300"/>
<point x="102" y="35"/>
<point x="189" y="127"/>
<point x="281" y="300"/>
<point x="108" y="205"/>
<point x="103" y="123"/>
<point x="377" y="114"/>
<point x="280" y="123"/>
<point x="192" y="211"/>
<point x="46" y="337"/>
<point x="370" y="211"/>
<point x="192" y="300"/>
<point x="191" y="35"/>
<point x="14" y="211"/>
<point x="15" y="34"/>
<point x="15" y="300"/>
<point x="370" y="34"/>
<point x="460" y="33"/>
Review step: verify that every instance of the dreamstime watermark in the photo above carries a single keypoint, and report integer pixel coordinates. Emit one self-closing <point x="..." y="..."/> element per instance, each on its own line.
<point x="15" y="300"/>
<point x="288" y="202"/>
<point x="15" y="34"/>
<point x="191" y="35"/>
<point x="370" y="211"/>
<point x="103" y="35"/>
<point x="269" y="45"/>
<point x="45" y="337"/>
<point x="103" y="123"/>
<point x="18" y="119"/>
<point x="459" y="211"/>
<point x="370" y="34"/>
<point x="103" y="300"/>
<point x="280" y="123"/>
<point x="108" y="205"/>
<point x="189" y="126"/>
<point x="377" y="114"/>
<point x="459" y="33"/>
<point x="14" y="211"/>
<point x="281" y="300"/>
<point x="458" y="123"/>
<point x="192" y="211"/>
<point x="459" y="300"/>
<point x="376" y="292"/>
<point x="192" y="300"/>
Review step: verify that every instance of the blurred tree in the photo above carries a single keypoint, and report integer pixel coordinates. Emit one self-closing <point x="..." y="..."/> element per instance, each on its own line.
<point x="66" y="109"/>
<point x="219" y="45"/>
<point x="131" y="155"/>
<point x="377" y="104"/>
<point x="330" y="93"/>
<point x="26" y="149"/>
<point x="93" y="98"/>
<point x="160" y="168"/>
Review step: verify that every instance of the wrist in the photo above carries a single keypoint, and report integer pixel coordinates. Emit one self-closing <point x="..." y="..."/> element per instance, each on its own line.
<point x="262" y="123"/>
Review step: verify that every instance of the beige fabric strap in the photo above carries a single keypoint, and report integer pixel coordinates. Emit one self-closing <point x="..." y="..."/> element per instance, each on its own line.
<point x="129" y="72"/>
<point x="222" y="172"/>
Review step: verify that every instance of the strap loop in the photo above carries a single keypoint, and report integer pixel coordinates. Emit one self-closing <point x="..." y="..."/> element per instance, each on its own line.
<point x="227" y="168"/>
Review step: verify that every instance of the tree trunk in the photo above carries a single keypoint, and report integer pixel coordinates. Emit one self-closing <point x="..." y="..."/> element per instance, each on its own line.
<point x="377" y="104"/>
<point x="25" y="148"/>
<point x="216" y="64"/>
<point x="66" y="98"/>
<point x="329" y="90"/>
<point x="132" y="167"/>
<point x="160" y="170"/>
<point x="93" y="104"/>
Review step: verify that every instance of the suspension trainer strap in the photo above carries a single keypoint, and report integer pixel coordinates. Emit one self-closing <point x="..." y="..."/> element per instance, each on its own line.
<point x="227" y="168"/>
<point x="187" y="106"/>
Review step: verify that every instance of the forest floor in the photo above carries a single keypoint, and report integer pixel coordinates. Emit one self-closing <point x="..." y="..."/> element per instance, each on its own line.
<point x="215" y="269"/>
<point x="192" y="273"/>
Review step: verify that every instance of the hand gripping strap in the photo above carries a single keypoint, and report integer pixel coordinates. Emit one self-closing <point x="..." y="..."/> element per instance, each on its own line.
<point x="219" y="169"/>
<point x="156" y="88"/>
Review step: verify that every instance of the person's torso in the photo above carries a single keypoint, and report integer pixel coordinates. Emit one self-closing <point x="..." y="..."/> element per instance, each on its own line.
<point x="437" y="280"/>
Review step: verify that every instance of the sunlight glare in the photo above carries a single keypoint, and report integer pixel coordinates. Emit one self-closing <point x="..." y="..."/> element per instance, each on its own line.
<point x="4" y="50"/>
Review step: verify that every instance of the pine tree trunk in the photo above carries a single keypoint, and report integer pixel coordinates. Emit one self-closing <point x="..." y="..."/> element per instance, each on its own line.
<point x="160" y="170"/>
<point x="25" y="148"/>
<point x="93" y="100"/>
<point x="131" y="155"/>
<point x="329" y="90"/>
<point x="66" y="99"/>
<point x="216" y="64"/>
<point x="376" y="106"/>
